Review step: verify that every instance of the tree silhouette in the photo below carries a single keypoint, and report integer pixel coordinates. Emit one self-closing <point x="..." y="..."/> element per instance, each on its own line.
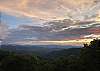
<point x="90" y="56"/>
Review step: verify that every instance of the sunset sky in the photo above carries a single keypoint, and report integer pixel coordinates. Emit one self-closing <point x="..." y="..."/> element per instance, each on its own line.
<point x="37" y="22"/>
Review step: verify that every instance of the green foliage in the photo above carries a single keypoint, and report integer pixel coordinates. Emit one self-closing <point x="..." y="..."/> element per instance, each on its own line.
<point x="18" y="63"/>
<point x="90" y="56"/>
<point x="87" y="60"/>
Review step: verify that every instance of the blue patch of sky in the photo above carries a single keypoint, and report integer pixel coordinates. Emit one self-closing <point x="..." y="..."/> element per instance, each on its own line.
<point x="13" y="21"/>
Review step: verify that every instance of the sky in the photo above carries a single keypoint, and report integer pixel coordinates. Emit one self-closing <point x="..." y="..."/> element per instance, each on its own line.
<point x="63" y="22"/>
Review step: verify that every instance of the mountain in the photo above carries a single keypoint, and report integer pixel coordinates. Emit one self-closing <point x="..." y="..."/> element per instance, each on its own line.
<point x="35" y="49"/>
<point x="63" y="53"/>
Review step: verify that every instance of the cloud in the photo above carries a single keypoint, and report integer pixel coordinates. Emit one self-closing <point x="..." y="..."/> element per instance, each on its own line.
<point x="92" y="36"/>
<point x="68" y="42"/>
<point x="3" y="31"/>
<point x="56" y="30"/>
<point x="49" y="9"/>
<point x="83" y="15"/>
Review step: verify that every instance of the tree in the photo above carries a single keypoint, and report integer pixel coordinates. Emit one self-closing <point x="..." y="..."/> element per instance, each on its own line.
<point x="19" y="63"/>
<point x="90" y="56"/>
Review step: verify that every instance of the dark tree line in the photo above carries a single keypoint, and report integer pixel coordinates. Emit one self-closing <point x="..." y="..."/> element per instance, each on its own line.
<point x="88" y="60"/>
<point x="90" y="56"/>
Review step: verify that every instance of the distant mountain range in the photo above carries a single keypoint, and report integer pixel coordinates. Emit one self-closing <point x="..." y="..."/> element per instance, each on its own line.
<point x="63" y="53"/>
<point x="41" y="50"/>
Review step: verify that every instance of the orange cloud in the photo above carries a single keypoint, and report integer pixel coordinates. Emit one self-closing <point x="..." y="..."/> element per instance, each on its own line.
<point x="48" y="9"/>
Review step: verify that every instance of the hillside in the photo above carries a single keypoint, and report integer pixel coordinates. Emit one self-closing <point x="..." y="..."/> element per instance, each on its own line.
<point x="64" y="53"/>
<point x="41" y="50"/>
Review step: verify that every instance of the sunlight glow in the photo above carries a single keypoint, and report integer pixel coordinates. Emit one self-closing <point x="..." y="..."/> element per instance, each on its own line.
<point x="78" y="42"/>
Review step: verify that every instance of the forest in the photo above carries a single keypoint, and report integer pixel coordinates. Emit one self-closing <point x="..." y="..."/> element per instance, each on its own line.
<point x="88" y="59"/>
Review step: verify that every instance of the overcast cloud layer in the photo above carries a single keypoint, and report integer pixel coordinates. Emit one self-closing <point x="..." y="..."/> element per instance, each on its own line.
<point x="49" y="20"/>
